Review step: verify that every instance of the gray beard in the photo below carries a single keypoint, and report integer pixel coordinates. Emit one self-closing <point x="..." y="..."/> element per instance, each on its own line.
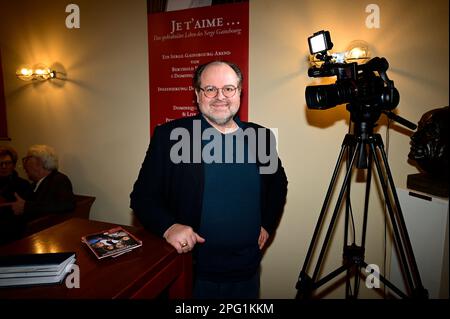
<point x="219" y="121"/>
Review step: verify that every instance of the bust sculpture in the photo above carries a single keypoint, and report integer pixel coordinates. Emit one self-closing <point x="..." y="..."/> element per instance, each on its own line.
<point x="429" y="148"/>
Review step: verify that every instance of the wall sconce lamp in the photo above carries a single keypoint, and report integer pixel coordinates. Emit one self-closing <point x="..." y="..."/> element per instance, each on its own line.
<point x="39" y="72"/>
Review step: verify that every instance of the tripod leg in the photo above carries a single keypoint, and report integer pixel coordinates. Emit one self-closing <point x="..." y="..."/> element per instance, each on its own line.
<point x="323" y="210"/>
<point x="306" y="284"/>
<point x="360" y="257"/>
<point x="348" y="290"/>
<point x="400" y="231"/>
<point x="389" y="284"/>
<point x="366" y="200"/>
<point x="335" y="214"/>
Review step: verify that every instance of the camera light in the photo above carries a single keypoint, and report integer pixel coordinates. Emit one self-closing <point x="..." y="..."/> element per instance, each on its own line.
<point x="320" y="42"/>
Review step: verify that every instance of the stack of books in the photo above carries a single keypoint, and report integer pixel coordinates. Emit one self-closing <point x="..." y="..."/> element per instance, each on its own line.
<point x="111" y="242"/>
<point x="35" y="269"/>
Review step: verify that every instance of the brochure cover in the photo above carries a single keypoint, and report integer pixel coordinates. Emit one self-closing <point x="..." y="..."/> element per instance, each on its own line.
<point x="111" y="243"/>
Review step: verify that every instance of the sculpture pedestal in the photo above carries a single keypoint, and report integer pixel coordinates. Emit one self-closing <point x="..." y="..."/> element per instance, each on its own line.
<point x="425" y="183"/>
<point x="427" y="221"/>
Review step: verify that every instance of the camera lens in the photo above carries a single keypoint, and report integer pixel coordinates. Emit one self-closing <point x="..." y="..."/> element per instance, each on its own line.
<point x="326" y="96"/>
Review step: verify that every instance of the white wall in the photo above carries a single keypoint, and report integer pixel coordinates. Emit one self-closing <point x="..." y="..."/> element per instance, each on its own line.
<point x="98" y="120"/>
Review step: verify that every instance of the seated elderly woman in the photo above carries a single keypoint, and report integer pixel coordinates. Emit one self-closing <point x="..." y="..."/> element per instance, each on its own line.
<point x="52" y="190"/>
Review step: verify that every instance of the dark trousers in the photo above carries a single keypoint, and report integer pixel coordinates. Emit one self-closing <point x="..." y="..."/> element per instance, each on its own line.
<point x="247" y="289"/>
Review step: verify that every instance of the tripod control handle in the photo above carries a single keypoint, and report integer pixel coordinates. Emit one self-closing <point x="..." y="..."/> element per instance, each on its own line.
<point x="400" y="120"/>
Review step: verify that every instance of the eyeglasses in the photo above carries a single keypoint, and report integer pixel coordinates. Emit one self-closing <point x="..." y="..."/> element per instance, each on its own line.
<point x="6" y="163"/>
<point x="26" y="158"/>
<point x="212" y="91"/>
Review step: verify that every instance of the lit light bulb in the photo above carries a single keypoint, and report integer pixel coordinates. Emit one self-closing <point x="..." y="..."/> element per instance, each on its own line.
<point x="24" y="73"/>
<point x="41" y="72"/>
<point x="38" y="72"/>
<point x="357" y="51"/>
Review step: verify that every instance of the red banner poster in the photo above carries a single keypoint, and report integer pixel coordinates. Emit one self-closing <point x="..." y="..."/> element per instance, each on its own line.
<point x="179" y="42"/>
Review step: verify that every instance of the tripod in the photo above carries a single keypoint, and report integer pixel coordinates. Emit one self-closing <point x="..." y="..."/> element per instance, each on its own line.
<point x="363" y="148"/>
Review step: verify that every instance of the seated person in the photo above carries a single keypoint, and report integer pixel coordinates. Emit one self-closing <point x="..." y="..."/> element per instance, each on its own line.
<point x="52" y="190"/>
<point x="11" y="225"/>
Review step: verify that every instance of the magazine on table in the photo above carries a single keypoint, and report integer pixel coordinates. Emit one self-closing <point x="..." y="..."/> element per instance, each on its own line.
<point x="33" y="269"/>
<point x="111" y="243"/>
<point x="46" y="262"/>
<point x="30" y="279"/>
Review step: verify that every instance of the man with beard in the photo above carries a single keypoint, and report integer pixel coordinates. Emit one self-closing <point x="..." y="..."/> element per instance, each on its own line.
<point x="211" y="193"/>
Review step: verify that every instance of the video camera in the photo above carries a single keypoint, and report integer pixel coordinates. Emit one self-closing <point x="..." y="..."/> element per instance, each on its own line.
<point x="365" y="88"/>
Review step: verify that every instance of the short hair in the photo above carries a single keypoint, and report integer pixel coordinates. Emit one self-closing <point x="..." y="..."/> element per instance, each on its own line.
<point x="47" y="155"/>
<point x="199" y="71"/>
<point x="9" y="151"/>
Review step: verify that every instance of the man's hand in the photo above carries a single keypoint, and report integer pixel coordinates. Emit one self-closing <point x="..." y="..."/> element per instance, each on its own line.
<point x="182" y="237"/>
<point x="263" y="236"/>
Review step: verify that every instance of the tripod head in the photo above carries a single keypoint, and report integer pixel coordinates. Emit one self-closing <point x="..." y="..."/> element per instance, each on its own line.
<point x="365" y="118"/>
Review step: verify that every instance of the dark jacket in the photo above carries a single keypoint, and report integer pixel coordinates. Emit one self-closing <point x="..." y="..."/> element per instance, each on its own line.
<point x="14" y="184"/>
<point x="54" y="195"/>
<point x="166" y="193"/>
<point x="11" y="225"/>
